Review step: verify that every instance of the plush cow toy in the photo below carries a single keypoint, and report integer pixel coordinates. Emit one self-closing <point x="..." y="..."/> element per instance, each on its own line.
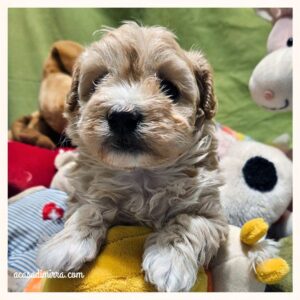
<point x="271" y="82"/>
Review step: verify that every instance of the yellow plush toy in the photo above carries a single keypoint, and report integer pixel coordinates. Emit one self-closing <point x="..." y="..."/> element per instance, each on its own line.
<point x="118" y="266"/>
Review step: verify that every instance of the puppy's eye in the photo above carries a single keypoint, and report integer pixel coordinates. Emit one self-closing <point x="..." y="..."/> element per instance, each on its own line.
<point x="96" y="82"/>
<point x="170" y="90"/>
<point x="289" y="42"/>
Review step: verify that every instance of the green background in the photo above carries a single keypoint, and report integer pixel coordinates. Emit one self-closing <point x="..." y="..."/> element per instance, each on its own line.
<point x="234" y="41"/>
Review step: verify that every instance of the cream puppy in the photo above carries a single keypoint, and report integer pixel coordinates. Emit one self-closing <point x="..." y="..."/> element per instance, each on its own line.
<point x="140" y="111"/>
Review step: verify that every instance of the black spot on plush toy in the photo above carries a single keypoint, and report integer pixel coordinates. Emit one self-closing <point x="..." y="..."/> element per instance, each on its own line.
<point x="260" y="174"/>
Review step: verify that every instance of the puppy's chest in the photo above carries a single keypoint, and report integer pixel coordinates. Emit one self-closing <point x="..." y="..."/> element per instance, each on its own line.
<point x="146" y="197"/>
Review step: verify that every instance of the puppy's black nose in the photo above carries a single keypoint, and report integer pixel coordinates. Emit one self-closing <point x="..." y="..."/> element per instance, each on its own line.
<point x="124" y="122"/>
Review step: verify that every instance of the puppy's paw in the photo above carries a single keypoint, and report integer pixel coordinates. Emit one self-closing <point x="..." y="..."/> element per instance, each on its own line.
<point x="66" y="253"/>
<point x="169" y="268"/>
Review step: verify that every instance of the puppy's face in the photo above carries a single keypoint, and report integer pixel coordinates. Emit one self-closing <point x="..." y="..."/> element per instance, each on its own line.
<point x="137" y="98"/>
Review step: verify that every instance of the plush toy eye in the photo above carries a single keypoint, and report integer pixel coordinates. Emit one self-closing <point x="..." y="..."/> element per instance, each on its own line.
<point x="170" y="90"/>
<point x="289" y="42"/>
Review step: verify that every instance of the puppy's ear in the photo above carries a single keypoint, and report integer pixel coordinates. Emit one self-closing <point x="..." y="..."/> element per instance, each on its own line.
<point x="72" y="103"/>
<point x="204" y="77"/>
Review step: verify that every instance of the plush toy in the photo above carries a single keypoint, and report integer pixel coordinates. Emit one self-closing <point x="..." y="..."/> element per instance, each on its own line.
<point x="118" y="267"/>
<point x="271" y="82"/>
<point x="258" y="182"/>
<point x="29" y="166"/>
<point x="238" y="154"/>
<point x="45" y="127"/>
<point x="248" y="261"/>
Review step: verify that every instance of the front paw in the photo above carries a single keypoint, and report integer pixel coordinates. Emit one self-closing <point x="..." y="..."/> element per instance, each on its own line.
<point x="65" y="252"/>
<point x="170" y="268"/>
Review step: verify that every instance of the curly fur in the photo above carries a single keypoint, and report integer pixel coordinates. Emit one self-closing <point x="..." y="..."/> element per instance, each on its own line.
<point x="172" y="187"/>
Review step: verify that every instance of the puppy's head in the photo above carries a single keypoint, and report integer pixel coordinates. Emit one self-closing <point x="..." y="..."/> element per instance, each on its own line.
<point x="137" y="99"/>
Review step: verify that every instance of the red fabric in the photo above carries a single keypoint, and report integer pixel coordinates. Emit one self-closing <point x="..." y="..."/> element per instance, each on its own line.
<point x="29" y="166"/>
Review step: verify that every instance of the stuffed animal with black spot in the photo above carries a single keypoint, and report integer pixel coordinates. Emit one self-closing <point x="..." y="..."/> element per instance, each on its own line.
<point x="258" y="183"/>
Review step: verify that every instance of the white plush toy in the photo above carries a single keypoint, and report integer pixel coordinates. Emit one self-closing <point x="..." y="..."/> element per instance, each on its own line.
<point x="247" y="261"/>
<point x="258" y="183"/>
<point x="271" y="82"/>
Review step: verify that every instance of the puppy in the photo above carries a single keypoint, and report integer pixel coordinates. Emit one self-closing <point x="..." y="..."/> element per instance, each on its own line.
<point x="140" y="111"/>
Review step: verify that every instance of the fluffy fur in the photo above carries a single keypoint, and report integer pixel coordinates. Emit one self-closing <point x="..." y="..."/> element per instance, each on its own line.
<point x="171" y="184"/>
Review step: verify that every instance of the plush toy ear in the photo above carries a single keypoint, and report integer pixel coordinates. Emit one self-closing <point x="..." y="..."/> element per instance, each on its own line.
<point x="204" y="77"/>
<point x="62" y="57"/>
<point x="273" y="14"/>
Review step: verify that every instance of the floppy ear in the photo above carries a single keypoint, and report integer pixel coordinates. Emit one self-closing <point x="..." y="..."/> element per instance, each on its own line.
<point x="71" y="112"/>
<point x="204" y="77"/>
<point x="72" y="103"/>
<point x="62" y="57"/>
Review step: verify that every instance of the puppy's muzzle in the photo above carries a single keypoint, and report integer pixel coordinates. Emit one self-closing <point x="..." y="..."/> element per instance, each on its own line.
<point x="124" y="122"/>
<point x="124" y="127"/>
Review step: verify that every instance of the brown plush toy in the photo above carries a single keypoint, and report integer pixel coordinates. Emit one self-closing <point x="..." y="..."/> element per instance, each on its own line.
<point x="45" y="127"/>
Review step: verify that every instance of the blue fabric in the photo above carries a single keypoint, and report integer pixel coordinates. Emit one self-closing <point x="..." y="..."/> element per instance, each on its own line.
<point x="27" y="228"/>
